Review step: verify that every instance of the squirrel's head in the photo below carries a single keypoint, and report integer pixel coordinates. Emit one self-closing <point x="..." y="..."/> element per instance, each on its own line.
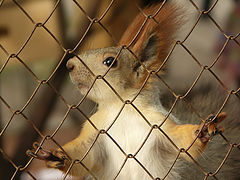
<point x="126" y="68"/>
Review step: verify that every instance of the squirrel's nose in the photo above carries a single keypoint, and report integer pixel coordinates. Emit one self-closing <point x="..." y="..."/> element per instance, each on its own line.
<point x="70" y="66"/>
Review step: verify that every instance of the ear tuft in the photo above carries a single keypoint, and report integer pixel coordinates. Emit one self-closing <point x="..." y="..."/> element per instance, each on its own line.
<point x="156" y="37"/>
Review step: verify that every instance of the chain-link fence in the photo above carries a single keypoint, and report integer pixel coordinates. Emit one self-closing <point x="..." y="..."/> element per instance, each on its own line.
<point x="66" y="41"/>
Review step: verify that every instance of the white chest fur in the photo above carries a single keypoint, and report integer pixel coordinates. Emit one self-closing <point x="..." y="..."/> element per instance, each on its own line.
<point x="132" y="148"/>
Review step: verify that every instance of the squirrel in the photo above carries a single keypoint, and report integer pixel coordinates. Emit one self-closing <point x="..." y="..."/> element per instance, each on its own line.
<point x="131" y="136"/>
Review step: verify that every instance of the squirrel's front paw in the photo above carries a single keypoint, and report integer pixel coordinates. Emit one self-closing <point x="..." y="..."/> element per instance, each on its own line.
<point x="209" y="128"/>
<point x="53" y="158"/>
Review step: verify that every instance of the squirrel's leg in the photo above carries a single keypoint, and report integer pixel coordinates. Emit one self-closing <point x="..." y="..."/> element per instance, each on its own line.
<point x="77" y="155"/>
<point x="195" y="136"/>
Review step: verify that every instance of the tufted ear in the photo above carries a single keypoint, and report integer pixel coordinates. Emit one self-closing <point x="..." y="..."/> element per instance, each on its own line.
<point x="147" y="50"/>
<point x="156" y="36"/>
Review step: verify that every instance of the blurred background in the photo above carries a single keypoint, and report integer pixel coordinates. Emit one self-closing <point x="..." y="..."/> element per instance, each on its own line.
<point x="34" y="37"/>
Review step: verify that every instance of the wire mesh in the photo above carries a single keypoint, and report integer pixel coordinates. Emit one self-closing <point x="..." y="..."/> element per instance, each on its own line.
<point x="72" y="51"/>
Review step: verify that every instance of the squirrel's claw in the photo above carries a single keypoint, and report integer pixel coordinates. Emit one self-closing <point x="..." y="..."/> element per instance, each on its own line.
<point x="209" y="128"/>
<point x="54" y="158"/>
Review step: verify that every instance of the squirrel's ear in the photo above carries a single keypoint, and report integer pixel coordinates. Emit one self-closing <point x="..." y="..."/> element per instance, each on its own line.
<point x="153" y="42"/>
<point x="146" y="49"/>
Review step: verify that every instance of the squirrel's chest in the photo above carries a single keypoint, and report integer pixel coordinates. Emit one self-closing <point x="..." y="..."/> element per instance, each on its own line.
<point x="132" y="146"/>
<point x="129" y="131"/>
<point x="128" y="144"/>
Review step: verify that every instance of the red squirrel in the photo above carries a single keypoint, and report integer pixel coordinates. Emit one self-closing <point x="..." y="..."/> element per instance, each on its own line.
<point x="130" y="137"/>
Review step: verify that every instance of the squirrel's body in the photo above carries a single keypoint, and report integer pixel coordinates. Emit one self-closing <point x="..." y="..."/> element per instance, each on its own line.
<point x="129" y="133"/>
<point x="131" y="136"/>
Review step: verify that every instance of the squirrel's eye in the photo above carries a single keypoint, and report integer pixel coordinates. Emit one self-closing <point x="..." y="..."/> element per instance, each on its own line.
<point x="109" y="60"/>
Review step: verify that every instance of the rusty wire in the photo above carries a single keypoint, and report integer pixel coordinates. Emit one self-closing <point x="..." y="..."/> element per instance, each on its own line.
<point x="130" y="102"/>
